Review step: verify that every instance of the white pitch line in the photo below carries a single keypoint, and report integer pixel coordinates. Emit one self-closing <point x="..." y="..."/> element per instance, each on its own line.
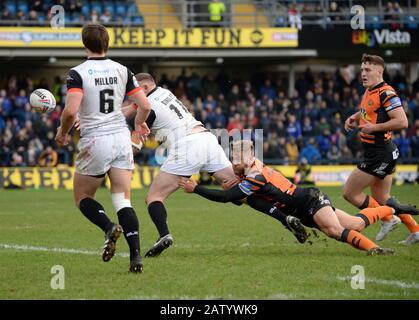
<point x="393" y="283"/>
<point x="27" y="248"/>
<point x="24" y="247"/>
<point x="154" y="297"/>
<point x="19" y="247"/>
<point x="282" y="296"/>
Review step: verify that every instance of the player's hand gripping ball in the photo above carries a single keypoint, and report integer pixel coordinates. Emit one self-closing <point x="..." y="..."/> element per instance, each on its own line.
<point x="42" y="101"/>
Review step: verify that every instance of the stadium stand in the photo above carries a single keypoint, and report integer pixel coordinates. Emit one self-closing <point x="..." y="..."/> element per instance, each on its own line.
<point x="194" y="13"/>
<point x="327" y="14"/>
<point x="77" y="12"/>
<point x="307" y="123"/>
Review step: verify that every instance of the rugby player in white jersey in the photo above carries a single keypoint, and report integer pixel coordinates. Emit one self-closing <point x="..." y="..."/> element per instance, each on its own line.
<point x="191" y="149"/>
<point x="96" y="90"/>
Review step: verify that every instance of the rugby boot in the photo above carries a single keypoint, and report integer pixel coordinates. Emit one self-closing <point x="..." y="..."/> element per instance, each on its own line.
<point x="136" y="265"/>
<point x="402" y="208"/>
<point x="387" y="227"/>
<point x="411" y="239"/>
<point x="160" y="245"/>
<point x="297" y="229"/>
<point x="111" y="237"/>
<point x="378" y="251"/>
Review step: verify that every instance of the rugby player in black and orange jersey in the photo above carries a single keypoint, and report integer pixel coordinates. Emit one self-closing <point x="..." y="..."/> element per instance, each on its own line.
<point x="269" y="191"/>
<point x="380" y="113"/>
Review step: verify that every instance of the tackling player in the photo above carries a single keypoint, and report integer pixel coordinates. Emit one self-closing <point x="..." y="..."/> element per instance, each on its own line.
<point x="381" y="112"/>
<point x="268" y="190"/>
<point x="96" y="89"/>
<point x="192" y="149"/>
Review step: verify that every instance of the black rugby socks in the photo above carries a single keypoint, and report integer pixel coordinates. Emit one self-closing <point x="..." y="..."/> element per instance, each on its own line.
<point x="158" y="214"/>
<point x="94" y="211"/>
<point x="129" y="223"/>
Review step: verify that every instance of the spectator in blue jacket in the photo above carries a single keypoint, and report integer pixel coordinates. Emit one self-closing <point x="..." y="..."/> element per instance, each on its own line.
<point x="325" y="142"/>
<point x="310" y="152"/>
<point x="293" y="128"/>
<point x="403" y="143"/>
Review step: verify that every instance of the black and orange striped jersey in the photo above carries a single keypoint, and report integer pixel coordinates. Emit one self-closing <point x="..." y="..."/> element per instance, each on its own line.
<point x="265" y="185"/>
<point x="271" y="184"/>
<point x="374" y="106"/>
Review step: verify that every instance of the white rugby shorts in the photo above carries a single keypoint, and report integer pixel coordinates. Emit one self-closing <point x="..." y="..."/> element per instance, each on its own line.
<point x="98" y="154"/>
<point x="194" y="153"/>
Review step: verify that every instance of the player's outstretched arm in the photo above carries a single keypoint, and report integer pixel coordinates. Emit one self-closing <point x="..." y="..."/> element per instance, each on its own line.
<point x="230" y="195"/>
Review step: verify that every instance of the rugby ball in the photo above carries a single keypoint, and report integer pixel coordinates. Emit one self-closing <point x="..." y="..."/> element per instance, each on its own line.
<point x="42" y="101"/>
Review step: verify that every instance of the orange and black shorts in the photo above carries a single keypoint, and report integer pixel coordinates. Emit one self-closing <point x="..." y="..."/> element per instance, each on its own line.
<point x="313" y="200"/>
<point x="380" y="163"/>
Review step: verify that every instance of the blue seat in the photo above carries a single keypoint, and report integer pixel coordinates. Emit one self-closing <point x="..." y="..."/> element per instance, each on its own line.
<point x="75" y="17"/>
<point x="67" y="17"/>
<point x="373" y="22"/>
<point x="11" y="6"/>
<point x="120" y="9"/>
<point x="41" y="17"/>
<point x="47" y="4"/>
<point x="85" y="10"/>
<point x="23" y="6"/>
<point x="109" y="6"/>
<point x="127" y="21"/>
<point x="280" y="22"/>
<point x="97" y="6"/>
<point x="412" y="22"/>
<point x="132" y="10"/>
<point x="137" y="20"/>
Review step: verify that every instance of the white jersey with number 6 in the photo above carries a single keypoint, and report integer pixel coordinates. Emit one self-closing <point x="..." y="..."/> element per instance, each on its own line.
<point x="104" y="84"/>
<point x="105" y="139"/>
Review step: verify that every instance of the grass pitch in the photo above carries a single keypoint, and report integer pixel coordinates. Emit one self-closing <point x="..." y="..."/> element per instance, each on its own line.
<point x="220" y="252"/>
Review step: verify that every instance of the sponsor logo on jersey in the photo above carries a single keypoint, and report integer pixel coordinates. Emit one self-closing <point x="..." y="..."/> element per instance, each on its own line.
<point x="365" y="116"/>
<point x="94" y="71"/>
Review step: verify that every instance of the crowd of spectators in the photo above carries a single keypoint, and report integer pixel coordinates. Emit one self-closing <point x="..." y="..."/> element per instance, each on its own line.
<point x="77" y="12"/>
<point x="330" y="14"/>
<point x="294" y="13"/>
<point x="308" y="124"/>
